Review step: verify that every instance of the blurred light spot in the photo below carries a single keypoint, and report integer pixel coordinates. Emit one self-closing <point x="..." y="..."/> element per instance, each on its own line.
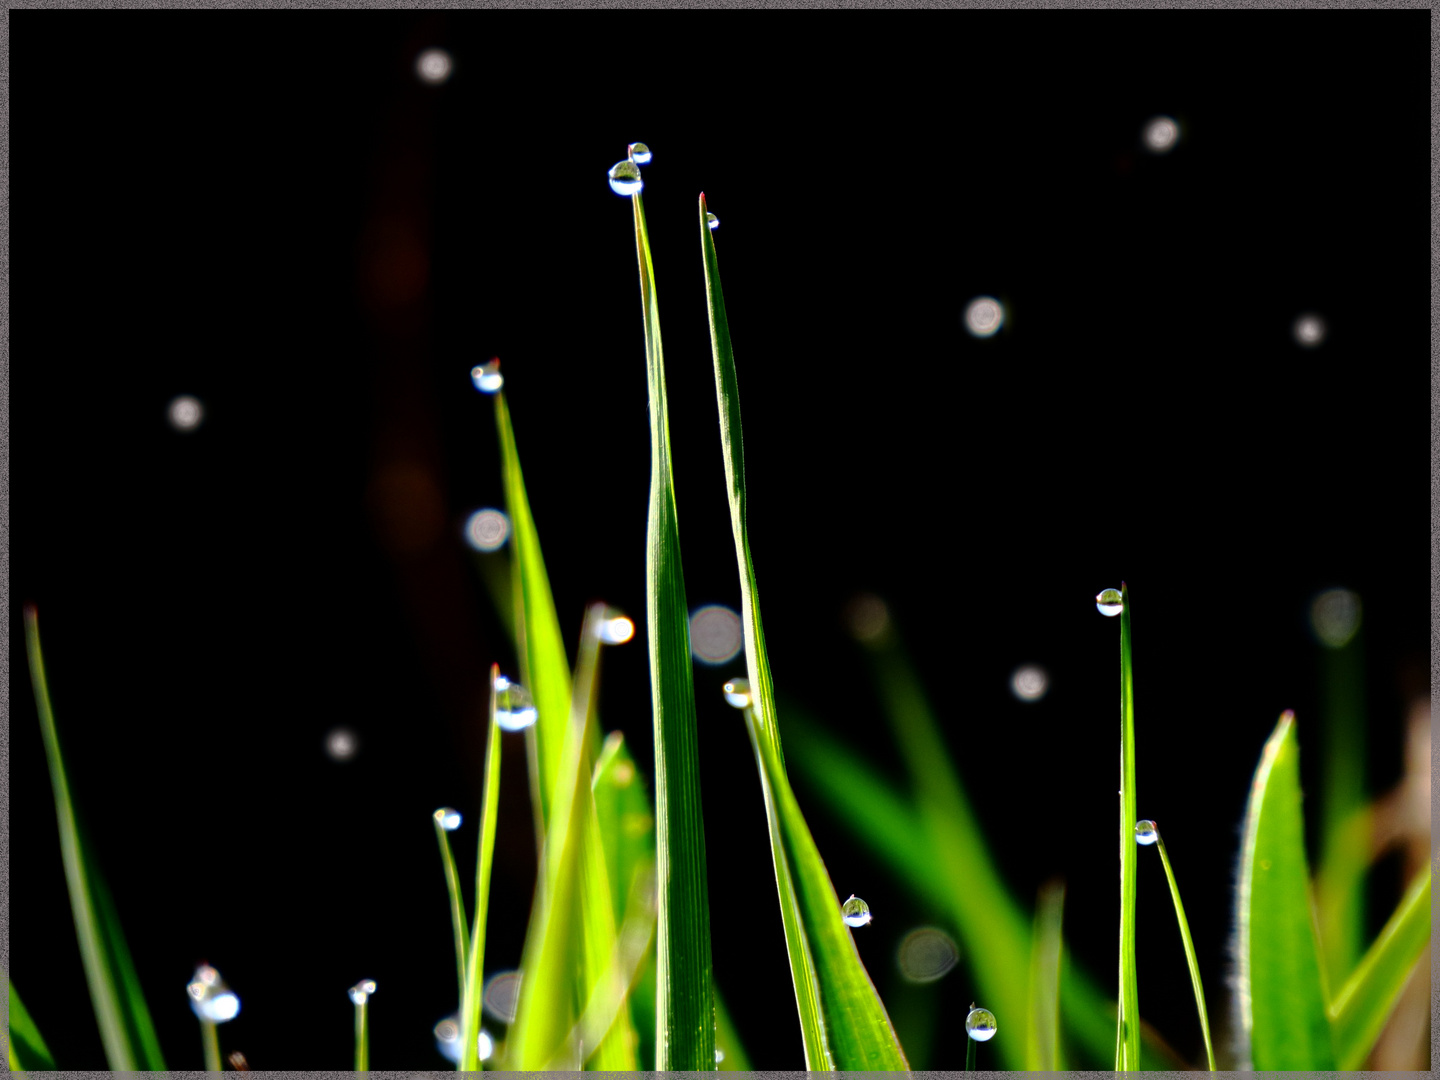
<point x="237" y="1061"/>
<point x="615" y="628"/>
<point x="1335" y="616"/>
<point x="361" y="991"/>
<point x="984" y="316"/>
<point x="449" y="819"/>
<point x="341" y="744"/>
<point x="502" y="995"/>
<point x="487" y="377"/>
<point x="186" y="413"/>
<point x="927" y="954"/>
<point x="623" y="775"/>
<point x="487" y="530"/>
<point x="484" y="1045"/>
<point x="637" y="824"/>
<point x="716" y="635"/>
<point x="1161" y="134"/>
<point x="867" y="617"/>
<point x="1029" y="683"/>
<point x="1309" y="330"/>
<point x="434" y="66"/>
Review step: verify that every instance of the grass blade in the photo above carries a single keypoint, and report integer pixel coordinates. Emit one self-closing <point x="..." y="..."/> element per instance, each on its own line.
<point x="1189" y="951"/>
<point x="125" y="1027"/>
<point x="485" y="860"/>
<point x="843" y="1023"/>
<point x="1281" y="990"/>
<point x="730" y="1055"/>
<point x="452" y="888"/>
<point x="685" y="1022"/>
<point x="1364" y="1003"/>
<point x="1042" y="1049"/>
<point x="1128" y="1033"/>
<point x="27" y="1047"/>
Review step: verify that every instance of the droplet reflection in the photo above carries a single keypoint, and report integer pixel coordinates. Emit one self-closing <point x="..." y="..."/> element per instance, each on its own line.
<point x="1109" y="602"/>
<point x="361" y="991"/>
<point x="1146" y="833"/>
<point x="980" y="1025"/>
<point x="487" y="377"/>
<point x="210" y="998"/>
<point x="625" y="178"/>
<point x="616" y="629"/>
<point x="737" y="692"/>
<point x="712" y="221"/>
<point x="855" y="911"/>
<point x="514" y="707"/>
<point x="447" y="1040"/>
<point x="640" y="153"/>
<point x="449" y="819"/>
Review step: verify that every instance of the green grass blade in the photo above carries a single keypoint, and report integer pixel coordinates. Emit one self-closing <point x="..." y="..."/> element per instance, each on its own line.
<point x="27" y="1047"/>
<point x="731" y="1054"/>
<point x="1190" y="957"/>
<point x="1281" y="988"/>
<point x="843" y="1023"/>
<point x="485" y="860"/>
<point x="1364" y="1003"/>
<point x="1344" y="817"/>
<point x="125" y="1027"/>
<point x="685" y="1022"/>
<point x="1042" y="1047"/>
<point x="457" y="906"/>
<point x="362" y="1037"/>
<point x="1128" y="1035"/>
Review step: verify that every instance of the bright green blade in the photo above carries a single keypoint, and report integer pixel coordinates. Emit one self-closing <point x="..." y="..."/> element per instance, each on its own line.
<point x="843" y="1023"/>
<point x="1128" y="1033"/>
<point x="729" y="1054"/>
<point x="1042" y="1045"/>
<point x="125" y="1027"/>
<point x="470" y="1000"/>
<point x="685" y="1018"/>
<point x="457" y="904"/>
<point x="1364" y="1003"/>
<point x="27" y="1047"/>
<point x="1190" y="957"/>
<point x="1281" y="988"/>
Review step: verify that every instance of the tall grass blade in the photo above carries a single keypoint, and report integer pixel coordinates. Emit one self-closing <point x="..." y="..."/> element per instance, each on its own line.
<point x="1364" y="1003"/>
<point x="1128" y="1034"/>
<point x="1190" y="957"/>
<point x="1042" y="1047"/>
<point x="125" y="1027"/>
<point x="485" y="860"/>
<point x="27" y="1047"/>
<point x="1281" y="989"/>
<point x="730" y="1054"/>
<point x="843" y="1023"/>
<point x="457" y="904"/>
<point x="685" y="1021"/>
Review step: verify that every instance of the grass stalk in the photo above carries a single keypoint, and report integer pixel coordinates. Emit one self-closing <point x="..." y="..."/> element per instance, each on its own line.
<point x="969" y="1054"/>
<point x="1189" y="951"/>
<point x="1127" y="1036"/>
<point x="1043" y="1044"/>
<point x="452" y="887"/>
<point x="210" y="1038"/>
<point x="475" y="955"/>
<point x="362" y="1036"/>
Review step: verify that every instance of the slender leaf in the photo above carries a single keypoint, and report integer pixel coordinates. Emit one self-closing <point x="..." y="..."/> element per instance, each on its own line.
<point x="730" y="1055"/>
<point x="27" y="1047"/>
<point x="1128" y="1033"/>
<point x="843" y="1023"/>
<point x="1344" y="816"/>
<point x="1361" y="1008"/>
<point x="457" y="904"/>
<point x="1190" y="956"/>
<point x="125" y="1027"/>
<point x="1042" y="1047"/>
<point x="685" y="1022"/>
<point x="1281" y="989"/>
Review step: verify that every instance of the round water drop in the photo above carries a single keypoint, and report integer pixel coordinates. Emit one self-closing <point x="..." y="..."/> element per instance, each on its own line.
<point x="716" y="635"/>
<point x="487" y="530"/>
<point x="514" y="707"/>
<point x="1109" y="602"/>
<point x="1145" y="832"/>
<point x="186" y="412"/>
<point x="855" y="911"/>
<point x="449" y="819"/>
<point x="361" y="991"/>
<point x="980" y="1025"/>
<point x="487" y="377"/>
<point x="625" y="177"/>
<point x="737" y="692"/>
<point x="984" y="316"/>
<point x="712" y="221"/>
<point x="1029" y="682"/>
<point x="640" y="153"/>
<point x="615" y="628"/>
<point x="210" y="997"/>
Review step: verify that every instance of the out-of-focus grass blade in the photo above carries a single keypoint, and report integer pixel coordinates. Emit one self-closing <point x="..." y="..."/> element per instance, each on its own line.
<point x="452" y="889"/>
<point x="1281" y="988"/>
<point x="1042" y="1046"/>
<point x="1190" y="957"/>
<point x="1364" y="1003"/>
<point x="843" y="1023"/>
<point x="1128" y="1034"/>
<point x="729" y="1053"/>
<point x="27" y="1047"/>
<point x="474" y="974"/>
<point x="685" y="1021"/>
<point x="125" y="1027"/>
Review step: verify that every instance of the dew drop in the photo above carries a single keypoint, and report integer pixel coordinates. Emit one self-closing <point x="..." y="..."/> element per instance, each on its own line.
<point x="361" y="991"/>
<point x="719" y="1055"/>
<point x="712" y="221"/>
<point x="487" y="530"/>
<point x="1109" y="602"/>
<point x="210" y="997"/>
<point x="625" y="177"/>
<point x="980" y="1025"/>
<point x="737" y="692"/>
<point x="615" y="628"/>
<point x="186" y="412"/>
<point x="487" y="377"/>
<point x="640" y="153"/>
<point x="855" y="911"/>
<point x="449" y="819"/>
<point x="447" y="1040"/>
<point x="514" y="707"/>
<point x="1146" y="833"/>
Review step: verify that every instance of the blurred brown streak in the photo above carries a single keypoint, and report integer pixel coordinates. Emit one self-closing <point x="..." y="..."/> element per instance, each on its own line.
<point x="405" y="494"/>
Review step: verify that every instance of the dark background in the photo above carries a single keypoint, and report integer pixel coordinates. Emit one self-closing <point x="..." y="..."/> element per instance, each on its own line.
<point x="275" y="215"/>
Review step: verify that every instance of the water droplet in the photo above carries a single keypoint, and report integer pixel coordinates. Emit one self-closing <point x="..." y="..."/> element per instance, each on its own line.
<point x="502" y="996"/>
<point x="449" y="819"/>
<point x="625" y="177"/>
<point x="487" y="530"/>
<point x="1145" y="832"/>
<point x="514" y="707"/>
<point x="1335" y="617"/>
<point x="186" y="413"/>
<point x="716" y="634"/>
<point x="361" y="991"/>
<point x="712" y="221"/>
<point x="984" y="316"/>
<point x="926" y="954"/>
<point x="719" y="1055"/>
<point x="737" y="692"/>
<point x="1309" y="330"/>
<point x="616" y="629"/>
<point x="1029" y="683"/>
<point x="434" y="66"/>
<point x="447" y="1040"/>
<point x="980" y="1025"/>
<point x="855" y="911"/>
<point x="640" y="153"/>
<point x="210" y="997"/>
<point x="1109" y="602"/>
<point x="487" y="377"/>
<point x="341" y="744"/>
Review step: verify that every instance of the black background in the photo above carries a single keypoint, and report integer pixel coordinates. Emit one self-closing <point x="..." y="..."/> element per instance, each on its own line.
<point x="274" y="214"/>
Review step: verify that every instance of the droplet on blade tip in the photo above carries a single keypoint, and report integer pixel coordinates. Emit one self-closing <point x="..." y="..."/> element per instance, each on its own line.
<point x="980" y="1025"/>
<point x="361" y="991"/>
<point x="1110" y="602"/>
<point x="514" y="707"/>
<point x="210" y="998"/>
<point x="1145" y="832"/>
<point x="449" y="819"/>
<point x="625" y="178"/>
<point x="737" y="692"/>
<point x="487" y="377"/>
<point x="639" y="153"/>
<point x="712" y="221"/>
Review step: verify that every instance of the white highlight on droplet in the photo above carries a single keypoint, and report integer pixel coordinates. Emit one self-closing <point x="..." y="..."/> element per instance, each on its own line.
<point x="716" y="636"/>
<point x="616" y="629"/>
<point x="1161" y="134"/>
<point x="434" y="66"/>
<point x="984" y="316"/>
<point x="185" y="413"/>
<point x="1029" y="682"/>
<point x="487" y="530"/>
<point x="1309" y="330"/>
<point x="341" y="744"/>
